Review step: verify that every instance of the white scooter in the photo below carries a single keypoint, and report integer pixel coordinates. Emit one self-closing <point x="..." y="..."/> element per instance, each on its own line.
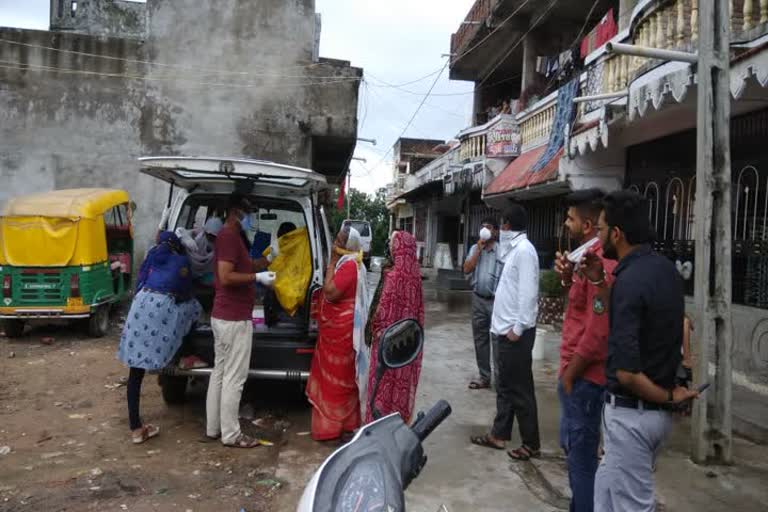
<point x="371" y="472"/>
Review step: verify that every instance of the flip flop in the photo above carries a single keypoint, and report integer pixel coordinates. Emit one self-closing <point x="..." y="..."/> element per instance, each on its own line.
<point x="244" y="441"/>
<point x="485" y="442"/>
<point x="479" y="384"/>
<point x="148" y="431"/>
<point x="523" y="454"/>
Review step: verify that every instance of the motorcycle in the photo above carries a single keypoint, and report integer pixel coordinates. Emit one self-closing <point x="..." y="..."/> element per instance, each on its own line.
<point x="372" y="472"/>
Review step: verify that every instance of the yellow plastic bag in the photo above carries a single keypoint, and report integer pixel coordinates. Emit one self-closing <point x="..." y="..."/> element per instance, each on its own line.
<point x="293" y="267"/>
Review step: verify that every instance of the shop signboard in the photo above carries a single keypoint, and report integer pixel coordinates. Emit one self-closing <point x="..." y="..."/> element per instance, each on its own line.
<point x="504" y="140"/>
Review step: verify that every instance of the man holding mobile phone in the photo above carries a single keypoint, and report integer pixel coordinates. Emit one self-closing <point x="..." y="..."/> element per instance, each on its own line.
<point x="644" y="352"/>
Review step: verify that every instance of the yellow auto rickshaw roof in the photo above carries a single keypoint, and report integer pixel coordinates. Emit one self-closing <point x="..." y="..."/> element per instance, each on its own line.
<point x="83" y="203"/>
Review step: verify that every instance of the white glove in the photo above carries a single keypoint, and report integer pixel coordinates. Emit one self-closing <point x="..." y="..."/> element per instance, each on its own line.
<point x="164" y="218"/>
<point x="274" y="249"/>
<point x="266" y="278"/>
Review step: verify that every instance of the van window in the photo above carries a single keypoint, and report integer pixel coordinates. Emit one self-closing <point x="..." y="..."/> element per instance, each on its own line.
<point x="362" y="227"/>
<point x="264" y="223"/>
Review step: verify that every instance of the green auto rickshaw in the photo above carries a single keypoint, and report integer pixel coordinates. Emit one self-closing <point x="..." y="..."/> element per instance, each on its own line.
<point x="65" y="254"/>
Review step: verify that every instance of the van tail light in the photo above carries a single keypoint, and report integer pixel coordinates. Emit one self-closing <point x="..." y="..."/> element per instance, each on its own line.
<point x="74" y="286"/>
<point x="7" y="286"/>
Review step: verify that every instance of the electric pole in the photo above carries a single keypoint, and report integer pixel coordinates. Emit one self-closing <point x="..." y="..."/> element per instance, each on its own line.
<point x="713" y="439"/>
<point x="349" y="193"/>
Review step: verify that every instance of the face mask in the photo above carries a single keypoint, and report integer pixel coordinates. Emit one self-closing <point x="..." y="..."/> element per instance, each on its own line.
<point x="245" y="222"/>
<point x="485" y="234"/>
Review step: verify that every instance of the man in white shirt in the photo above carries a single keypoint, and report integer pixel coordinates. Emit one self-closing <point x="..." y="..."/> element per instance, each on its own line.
<point x="513" y="326"/>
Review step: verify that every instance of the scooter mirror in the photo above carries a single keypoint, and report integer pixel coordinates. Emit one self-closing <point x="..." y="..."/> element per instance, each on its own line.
<point x="401" y="344"/>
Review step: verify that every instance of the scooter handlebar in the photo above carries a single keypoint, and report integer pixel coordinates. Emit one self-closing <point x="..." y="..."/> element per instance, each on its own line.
<point x="425" y="424"/>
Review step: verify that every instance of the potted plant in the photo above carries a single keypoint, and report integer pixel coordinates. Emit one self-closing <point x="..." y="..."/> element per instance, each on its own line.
<point x="551" y="298"/>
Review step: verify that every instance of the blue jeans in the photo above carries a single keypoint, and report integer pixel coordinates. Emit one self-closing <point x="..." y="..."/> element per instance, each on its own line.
<point x="580" y="414"/>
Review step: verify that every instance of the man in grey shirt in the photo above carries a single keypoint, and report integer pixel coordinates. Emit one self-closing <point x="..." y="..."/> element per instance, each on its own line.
<point x="482" y="263"/>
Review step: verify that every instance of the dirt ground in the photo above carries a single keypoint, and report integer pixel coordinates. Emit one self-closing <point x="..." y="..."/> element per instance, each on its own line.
<point x="63" y="415"/>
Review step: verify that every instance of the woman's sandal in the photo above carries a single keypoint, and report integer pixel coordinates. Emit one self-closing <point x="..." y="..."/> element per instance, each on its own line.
<point x="523" y="454"/>
<point x="244" y="441"/>
<point x="486" y="442"/>
<point x="479" y="384"/>
<point x="146" y="432"/>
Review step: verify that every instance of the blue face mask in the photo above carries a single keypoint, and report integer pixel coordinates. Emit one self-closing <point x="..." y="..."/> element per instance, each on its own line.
<point x="245" y="222"/>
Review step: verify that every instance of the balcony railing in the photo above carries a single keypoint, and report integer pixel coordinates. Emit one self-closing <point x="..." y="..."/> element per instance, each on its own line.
<point x="674" y="25"/>
<point x="536" y="122"/>
<point x="473" y="147"/>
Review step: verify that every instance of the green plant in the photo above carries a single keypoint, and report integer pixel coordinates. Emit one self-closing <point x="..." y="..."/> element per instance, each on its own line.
<point x="370" y="207"/>
<point x="549" y="284"/>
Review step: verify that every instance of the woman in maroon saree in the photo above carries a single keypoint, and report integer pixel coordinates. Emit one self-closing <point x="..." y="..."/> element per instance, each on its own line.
<point x="399" y="296"/>
<point x="332" y="388"/>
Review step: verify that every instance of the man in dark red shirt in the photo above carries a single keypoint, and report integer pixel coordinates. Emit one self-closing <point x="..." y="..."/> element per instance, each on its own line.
<point x="235" y="278"/>
<point x="583" y="351"/>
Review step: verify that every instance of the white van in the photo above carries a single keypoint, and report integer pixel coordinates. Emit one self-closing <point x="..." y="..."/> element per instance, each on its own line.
<point x="366" y="235"/>
<point x="283" y="346"/>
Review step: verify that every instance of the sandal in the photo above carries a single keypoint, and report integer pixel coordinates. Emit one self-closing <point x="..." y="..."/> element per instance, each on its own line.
<point x="486" y="442"/>
<point x="244" y="441"/>
<point x="209" y="439"/>
<point x="479" y="384"/>
<point x="523" y="454"/>
<point x="148" y="431"/>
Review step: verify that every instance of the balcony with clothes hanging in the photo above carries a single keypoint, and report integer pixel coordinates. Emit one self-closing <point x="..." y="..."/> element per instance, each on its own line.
<point x="644" y="97"/>
<point x="547" y="113"/>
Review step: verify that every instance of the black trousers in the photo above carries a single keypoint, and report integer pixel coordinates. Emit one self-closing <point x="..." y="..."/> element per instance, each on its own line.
<point x="515" y="394"/>
<point x="135" y="376"/>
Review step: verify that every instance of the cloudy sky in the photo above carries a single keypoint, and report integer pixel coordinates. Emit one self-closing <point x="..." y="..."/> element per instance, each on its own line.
<point x="395" y="42"/>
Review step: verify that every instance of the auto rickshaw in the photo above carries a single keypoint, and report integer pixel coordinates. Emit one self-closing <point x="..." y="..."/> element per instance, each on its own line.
<point x="65" y="254"/>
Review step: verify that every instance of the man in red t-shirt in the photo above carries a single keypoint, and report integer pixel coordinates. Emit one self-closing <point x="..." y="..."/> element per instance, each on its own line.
<point x="583" y="351"/>
<point x="235" y="279"/>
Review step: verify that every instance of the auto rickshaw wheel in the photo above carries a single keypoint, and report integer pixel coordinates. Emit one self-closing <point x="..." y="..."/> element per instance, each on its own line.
<point x="13" y="327"/>
<point x="173" y="389"/>
<point x="98" y="323"/>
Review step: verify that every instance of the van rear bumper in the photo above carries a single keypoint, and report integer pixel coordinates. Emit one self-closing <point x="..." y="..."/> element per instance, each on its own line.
<point x="283" y="375"/>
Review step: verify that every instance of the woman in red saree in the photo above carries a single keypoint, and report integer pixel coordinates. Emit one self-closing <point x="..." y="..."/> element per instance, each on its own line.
<point x="399" y="296"/>
<point x="332" y="389"/>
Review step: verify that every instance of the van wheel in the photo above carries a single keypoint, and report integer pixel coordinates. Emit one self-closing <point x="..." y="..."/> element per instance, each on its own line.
<point x="173" y="389"/>
<point x="98" y="323"/>
<point x="13" y="327"/>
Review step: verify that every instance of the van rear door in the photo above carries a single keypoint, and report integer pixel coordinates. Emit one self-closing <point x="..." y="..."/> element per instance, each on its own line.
<point x="210" y="174"/>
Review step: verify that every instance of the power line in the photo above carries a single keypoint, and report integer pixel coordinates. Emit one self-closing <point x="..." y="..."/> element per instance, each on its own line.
<point x="416" y="112"/>
<point x="430" y="75"/>
<point x="498" y="27"/>
<point x="161" y="64"/>
<point x="522" y="38"/>
<point x="33" y="67"/>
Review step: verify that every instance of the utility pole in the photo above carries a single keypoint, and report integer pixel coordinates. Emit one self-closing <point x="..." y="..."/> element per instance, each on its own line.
<point x="713" y="234"/>
<point x="349" y="193"/>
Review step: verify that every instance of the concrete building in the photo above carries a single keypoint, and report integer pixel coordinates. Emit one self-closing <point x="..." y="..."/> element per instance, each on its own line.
<point x="116" y="80"/>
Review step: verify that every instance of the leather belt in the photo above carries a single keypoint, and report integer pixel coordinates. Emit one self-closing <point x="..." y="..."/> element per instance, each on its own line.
<point x="633" y="403"/>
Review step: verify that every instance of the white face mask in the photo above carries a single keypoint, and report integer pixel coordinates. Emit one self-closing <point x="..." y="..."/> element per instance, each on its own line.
<point x="485" y="234"/>
<point x="505" y="242"/>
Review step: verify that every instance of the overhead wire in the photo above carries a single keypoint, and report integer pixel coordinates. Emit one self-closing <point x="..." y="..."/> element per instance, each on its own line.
<point x="415" y="113"/>
<point x="4" y="64"/>
<point x="520" y="40"/>
<point x="166" y="65"/>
